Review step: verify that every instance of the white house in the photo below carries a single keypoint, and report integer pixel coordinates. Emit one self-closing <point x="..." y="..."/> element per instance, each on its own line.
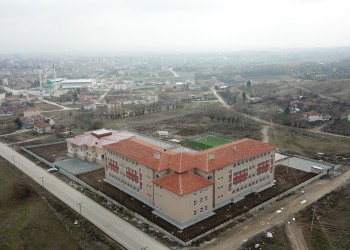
<point x="313" y="116"/>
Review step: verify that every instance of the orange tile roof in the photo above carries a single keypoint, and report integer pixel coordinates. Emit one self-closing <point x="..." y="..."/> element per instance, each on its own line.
<point x="182" y="184"/>
<point x="141" y="152"/>
<point x="180" y="162"/>
<point x="313" y="113"/>
<point x="230" y="153"/>
<point x="42" y="124"/>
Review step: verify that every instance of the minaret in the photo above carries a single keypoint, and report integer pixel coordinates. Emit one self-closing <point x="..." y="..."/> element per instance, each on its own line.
<point x="40" y="79"/>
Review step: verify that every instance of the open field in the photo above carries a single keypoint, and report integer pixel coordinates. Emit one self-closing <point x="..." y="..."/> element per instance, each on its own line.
<point x="51" y="152"/>
<point x="25" y="221"/>
<point x="335" y="88"/>
<point x="332" y="221"/>
<point x="285" y="180"/>
<point x="304" y="142"/>
<point x="7" y="124"/>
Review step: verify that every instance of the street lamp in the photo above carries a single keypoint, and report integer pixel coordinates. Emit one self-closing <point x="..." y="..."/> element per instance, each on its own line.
<point x="13" y="158"/>
<point x="79" y="204"/>
<point x="42" y="180"/>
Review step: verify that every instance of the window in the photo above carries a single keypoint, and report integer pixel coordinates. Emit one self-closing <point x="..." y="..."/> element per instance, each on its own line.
<point x="201" y="200"/>
<point x="201" y="210"/>
<point x="195" y="212"/>
<point x="206" y="207"/>
<point x="206" y="198"/>
<point x="195" y="203"/>
<point x="194" y="193"/>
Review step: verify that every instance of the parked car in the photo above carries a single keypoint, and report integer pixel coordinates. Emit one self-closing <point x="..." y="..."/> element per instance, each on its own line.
<point x="52" y="170"/>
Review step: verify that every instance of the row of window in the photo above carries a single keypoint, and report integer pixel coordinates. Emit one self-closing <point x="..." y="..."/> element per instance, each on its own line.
<point x="201" y="190"/>
<point x="249" y="185"/>
<point x="250" y="159"/>
<point x="121" y="157"/>
<point x="201" y="200"/>
<point x="201" y="210"/>
<point x="127" y="184"/>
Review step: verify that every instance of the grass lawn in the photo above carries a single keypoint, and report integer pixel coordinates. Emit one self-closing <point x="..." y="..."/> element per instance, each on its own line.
<point x="206" y="142"/>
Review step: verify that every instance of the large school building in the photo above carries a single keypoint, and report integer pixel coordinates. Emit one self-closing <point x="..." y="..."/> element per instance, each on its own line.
<point x="183" y="186"/>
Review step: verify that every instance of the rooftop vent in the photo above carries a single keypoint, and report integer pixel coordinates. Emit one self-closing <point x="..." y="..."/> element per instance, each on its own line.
<point x="157" y="155"/>
<point x="234" y="146"/>
<point x="211" y="156"/>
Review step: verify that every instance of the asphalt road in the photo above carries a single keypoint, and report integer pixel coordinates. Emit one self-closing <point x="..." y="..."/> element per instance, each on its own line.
<point x="277" y="213"/>
<point x="119" y="230"/>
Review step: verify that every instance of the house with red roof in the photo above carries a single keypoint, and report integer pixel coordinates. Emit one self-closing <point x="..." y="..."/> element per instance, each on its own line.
<point x="42" y="128"/>
<point x="182" y="186"/>
<point x="313" y="116"/>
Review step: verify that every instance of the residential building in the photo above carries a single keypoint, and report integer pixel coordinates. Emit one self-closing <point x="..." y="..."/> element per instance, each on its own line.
<point x="42" y="128"/>
<point x="119" y="86"/>
<point x="313" y="116"/>
<point x="184" y="187"/>
<point x="31" y="112"/>
<point x="88" y="146"/>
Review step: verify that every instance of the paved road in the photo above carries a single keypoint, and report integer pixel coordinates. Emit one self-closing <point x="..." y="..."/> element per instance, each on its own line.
<point x="58" y="105"/>
<point x="173" y="72"/>
<point x="277" y="213"/>
<point x="119" y="230"/>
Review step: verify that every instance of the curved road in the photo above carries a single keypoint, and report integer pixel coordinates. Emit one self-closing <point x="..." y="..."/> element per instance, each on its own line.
<point x="277" y="213"/>
<point x="119" y="230"/>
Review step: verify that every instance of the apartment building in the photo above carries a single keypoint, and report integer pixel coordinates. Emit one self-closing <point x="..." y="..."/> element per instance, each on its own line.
<point x="182" y="186"/>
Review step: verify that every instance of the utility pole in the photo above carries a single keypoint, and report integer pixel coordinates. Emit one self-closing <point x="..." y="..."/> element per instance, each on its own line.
<point x="313" y="217"/>
<point x="79" y="204"/>
<point x="42" y="181"/>
<point x="13" y="158"/>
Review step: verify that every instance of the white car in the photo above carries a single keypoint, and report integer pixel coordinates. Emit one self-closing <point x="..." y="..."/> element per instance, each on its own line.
<point x="52" y="170"/>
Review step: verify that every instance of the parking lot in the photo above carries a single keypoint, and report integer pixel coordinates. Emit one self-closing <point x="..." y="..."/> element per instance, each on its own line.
<point x="304" y="164"/>
<point x="76" y="166"/>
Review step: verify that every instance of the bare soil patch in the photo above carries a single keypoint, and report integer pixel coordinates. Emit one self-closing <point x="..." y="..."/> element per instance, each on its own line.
<point x="51" y="152"/>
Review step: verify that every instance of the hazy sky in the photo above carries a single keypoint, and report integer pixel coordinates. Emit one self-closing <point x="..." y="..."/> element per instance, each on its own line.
<point x="176" y="26"/>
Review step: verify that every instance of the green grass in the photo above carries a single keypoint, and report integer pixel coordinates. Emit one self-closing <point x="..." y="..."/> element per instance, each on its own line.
<point x="207" y="142"/>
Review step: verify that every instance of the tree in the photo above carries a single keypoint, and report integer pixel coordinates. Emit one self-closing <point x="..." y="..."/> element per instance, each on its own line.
<point x="18" y="123"/>
<point x="244" y="96"/>
<point x="8" y="94"/>
<point x="287" y="111"/>
<point x="249" y="83"/>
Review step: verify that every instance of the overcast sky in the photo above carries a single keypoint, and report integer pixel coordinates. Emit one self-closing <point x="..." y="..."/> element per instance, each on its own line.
<point x="55" y="26"/>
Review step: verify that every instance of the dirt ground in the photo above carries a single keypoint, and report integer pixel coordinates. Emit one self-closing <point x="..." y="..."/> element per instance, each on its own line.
<point x="51" y="152"/>
<point x="198" y="123"/>
<point x="332" y="221"/>
<point x="277" y="242"/>
<point x="284" y="182"/>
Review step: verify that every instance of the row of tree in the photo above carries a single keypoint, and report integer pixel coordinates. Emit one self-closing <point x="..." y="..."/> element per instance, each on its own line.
<point x="223" y="114"/>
